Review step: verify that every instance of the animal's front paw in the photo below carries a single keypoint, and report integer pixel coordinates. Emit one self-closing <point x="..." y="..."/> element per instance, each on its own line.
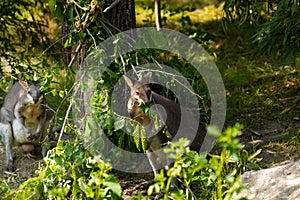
<point x="33" y="136"/>
<point x="30" y="136"/>
<point x="36" y="135"/>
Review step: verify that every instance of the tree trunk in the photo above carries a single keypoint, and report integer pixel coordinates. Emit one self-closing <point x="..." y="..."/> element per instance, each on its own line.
<point x="121" y="16"/>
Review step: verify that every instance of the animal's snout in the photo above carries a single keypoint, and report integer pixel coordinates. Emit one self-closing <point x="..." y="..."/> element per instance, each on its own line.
<point x="148" y="99"/>
<point x="147" y="102"/>
<point x="35" y="100"/>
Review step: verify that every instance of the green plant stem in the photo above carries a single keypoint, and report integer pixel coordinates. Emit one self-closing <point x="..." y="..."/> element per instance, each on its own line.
<point x="219" y="174"/>
<point x="168" y="187"/>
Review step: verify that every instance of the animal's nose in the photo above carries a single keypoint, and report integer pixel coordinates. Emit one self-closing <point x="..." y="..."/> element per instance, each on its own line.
<point x="35" y="100"/>
<point x="147" y="102"/>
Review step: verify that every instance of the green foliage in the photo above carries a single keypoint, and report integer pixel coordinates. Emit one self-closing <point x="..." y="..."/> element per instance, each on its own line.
<point x="280" y="33"/>
<point x="202" y="178"/>
<point x="4" y="187"/>
<point x="176" y="15"/>
<point x="113" y="124"/>
<point x="71" y="173"/>
<point x="23" y="35"/>
<point x="122" y="130"/>
<point x="274" y="26"/>
<point x="84" y="20"/>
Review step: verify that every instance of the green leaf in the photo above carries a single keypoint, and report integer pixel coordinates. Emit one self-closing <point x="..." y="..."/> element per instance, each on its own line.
<point x="213" y="130"/>
<point x="85" y="188"/>
<point x="144" y="107"/>
<point x="253" y="156"/>
<point x="68" y="150"/>
<point x="112" y="183"/>
<point x="136" y="137"/>
<point x="59" y="11"/>
<point x="52" y="4"/>
<point x="61" y="94"/>
<point x="119" y="124"/>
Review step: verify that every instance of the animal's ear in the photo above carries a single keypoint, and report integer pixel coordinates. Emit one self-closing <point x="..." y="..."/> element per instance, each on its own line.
<point x="24" y="84"/>
<point x="147" y="77"/>
<point x="129" y="81"/>
<point x="39" y="84"/>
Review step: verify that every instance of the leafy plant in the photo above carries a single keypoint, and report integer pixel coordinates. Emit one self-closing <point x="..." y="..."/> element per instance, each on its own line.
<point x="23" y="36"/>
<point x="71" y="173"/>
<point x="4" y="187"/>
<point x="274" y="25"/>
<point x="177" y="15"/>
<point x="203" y="178"/>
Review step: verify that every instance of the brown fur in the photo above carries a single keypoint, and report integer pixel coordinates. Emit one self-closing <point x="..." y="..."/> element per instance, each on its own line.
<point x="172" y="117"/>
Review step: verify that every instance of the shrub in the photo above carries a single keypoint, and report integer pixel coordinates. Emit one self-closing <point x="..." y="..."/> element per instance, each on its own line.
<point x="71" y="173"/>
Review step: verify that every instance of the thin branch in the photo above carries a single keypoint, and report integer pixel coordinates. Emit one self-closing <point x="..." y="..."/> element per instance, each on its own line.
<point x="92" y="38"/>
<point x="65" y="121"/>
<point x="82" y="8"/>
<point x="133" y="67"/>
<point x="111" y="6"/>
<point x="75" y="55"/>
<point x="69" y="109"/>
<point x="55" y="42"/>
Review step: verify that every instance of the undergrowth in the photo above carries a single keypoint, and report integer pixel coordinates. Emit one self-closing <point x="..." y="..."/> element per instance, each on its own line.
<point x="71" y="172"/>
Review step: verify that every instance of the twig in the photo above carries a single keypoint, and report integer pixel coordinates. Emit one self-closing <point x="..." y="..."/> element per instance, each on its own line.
<point x="68" y="111"/>
<point x="127" y="118"/>
<point x="65" y="121"/>
<point x="111" y="6"/>
<point x="82" y="8"/>
<point x="75" y="55"/>
<point x="10" y="173"/>
<point x="92" y="38"/>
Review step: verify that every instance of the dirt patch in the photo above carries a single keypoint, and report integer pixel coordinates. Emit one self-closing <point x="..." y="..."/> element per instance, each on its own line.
<point x="133" y="184"/>
<point x="25" y="164"/>
<point x="275" y="138"/>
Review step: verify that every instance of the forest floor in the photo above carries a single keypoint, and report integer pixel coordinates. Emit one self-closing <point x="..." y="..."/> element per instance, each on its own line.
<point x="263" y="96"/>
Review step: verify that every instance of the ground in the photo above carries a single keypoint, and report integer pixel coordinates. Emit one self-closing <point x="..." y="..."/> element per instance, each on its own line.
<point x="26" y="165"/>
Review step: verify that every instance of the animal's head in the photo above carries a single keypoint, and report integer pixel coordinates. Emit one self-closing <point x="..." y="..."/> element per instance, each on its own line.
<point x="140" y="90"/>
<point x="34" y="94"/>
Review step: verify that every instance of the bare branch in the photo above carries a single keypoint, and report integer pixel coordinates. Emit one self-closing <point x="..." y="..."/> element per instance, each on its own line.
<point x="111" y="6"/>
<point x="157" y="10"/>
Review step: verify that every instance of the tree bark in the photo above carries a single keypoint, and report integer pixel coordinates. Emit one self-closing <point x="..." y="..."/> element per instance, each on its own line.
<point x="121" y="16"/>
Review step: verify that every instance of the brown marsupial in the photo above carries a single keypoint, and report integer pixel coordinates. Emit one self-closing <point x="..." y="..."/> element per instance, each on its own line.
<point x="176" y="119"/>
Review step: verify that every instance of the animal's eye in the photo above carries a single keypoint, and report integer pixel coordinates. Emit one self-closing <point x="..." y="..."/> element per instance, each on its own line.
<point x="137" y="93"/>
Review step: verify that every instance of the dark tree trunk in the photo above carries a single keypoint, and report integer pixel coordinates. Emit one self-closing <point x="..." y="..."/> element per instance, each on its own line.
<point x="121" y="16"/>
